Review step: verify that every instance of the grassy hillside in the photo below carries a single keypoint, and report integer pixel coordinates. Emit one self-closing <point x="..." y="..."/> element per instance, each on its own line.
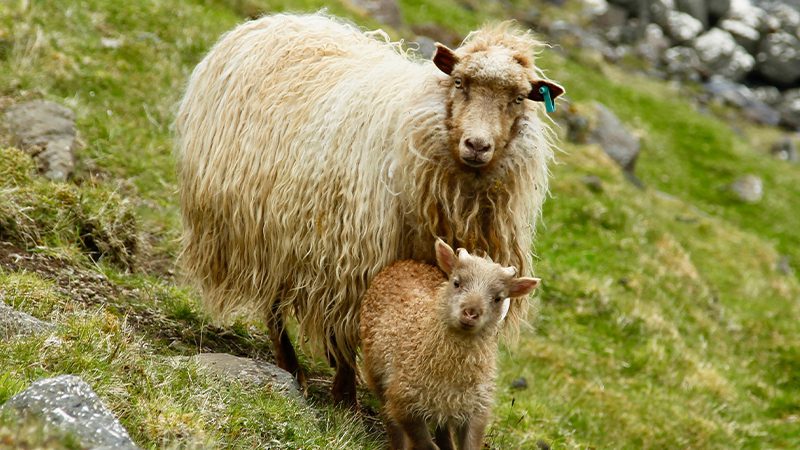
<point x="662" y="323"/>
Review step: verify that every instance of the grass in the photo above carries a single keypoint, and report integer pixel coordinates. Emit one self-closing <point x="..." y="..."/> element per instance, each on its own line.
<point x="662" y="322"/>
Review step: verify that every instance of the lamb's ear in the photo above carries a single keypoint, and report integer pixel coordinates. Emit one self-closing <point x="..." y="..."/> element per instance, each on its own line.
<point x="444" y="58"/>
<point x="520" y="287"/>
<point x="555" y="90"/>
<point x="445" y="257"/>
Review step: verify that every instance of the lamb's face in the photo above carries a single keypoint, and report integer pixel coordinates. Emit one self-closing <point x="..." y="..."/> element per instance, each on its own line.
<point x="478" y="291"/>
<point x="488" y="90"/>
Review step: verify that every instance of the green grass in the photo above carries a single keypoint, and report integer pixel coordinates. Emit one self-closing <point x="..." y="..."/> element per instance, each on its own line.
<point x="662" y="322"/>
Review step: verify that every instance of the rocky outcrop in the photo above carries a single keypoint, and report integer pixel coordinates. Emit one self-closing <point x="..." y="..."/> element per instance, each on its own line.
<point x="16" y="323"/>
<point x="249" y="371"/>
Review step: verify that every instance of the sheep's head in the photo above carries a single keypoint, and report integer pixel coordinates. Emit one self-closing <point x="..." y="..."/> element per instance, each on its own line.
<point x="478" y="292"/>
<point x="491" y="78"/>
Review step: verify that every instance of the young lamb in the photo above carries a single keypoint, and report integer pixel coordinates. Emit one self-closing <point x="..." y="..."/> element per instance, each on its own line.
<point x="312" y="155"/>
<point x="429" y="345"/>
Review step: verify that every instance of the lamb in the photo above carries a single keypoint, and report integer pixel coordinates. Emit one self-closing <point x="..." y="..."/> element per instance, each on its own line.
<point x="311" y="155"/>
<point x="429" y="344"/>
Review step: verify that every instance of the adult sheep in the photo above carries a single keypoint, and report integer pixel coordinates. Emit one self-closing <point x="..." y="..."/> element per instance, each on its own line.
<point x="312" y="155"/>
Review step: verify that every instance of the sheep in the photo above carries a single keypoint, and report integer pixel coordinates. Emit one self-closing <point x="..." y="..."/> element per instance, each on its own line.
<point x="429" y="343"/>
<point x="311" y="155"/>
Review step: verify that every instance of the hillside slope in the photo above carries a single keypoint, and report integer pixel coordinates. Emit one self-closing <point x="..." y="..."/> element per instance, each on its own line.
<point x="663" y="321"/>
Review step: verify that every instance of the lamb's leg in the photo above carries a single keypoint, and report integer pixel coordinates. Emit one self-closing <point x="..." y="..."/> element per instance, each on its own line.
<point x="470" y="434"/>
<point x="344" y="382"/>
<point x="285" y="356"/>
<point x="444" y="437"/>
<point x="396" y="435"/>
<point x="417" y="432"/>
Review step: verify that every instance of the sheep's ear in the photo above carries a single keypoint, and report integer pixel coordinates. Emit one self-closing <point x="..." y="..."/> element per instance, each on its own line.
<point x="555" y="90"/>
<point x="444" y="58"/>
<point x="520" y="287"/>
<point x="445" y="257"/>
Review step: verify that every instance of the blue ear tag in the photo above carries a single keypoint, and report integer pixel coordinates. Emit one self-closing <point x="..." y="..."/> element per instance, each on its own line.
<point x="549" y="104"/>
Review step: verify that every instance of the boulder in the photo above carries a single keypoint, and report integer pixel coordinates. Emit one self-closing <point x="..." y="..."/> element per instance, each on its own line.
<point x="69" y="404"/>
<point x="612" y="136"/>
<point x="45" y="130"/>
<point x="785" y="149"/>
<point x="384" y="11"/>
<point x="790" y="109"/>
<point x="742" y="97"/>
<point x="779" y="58"/>
<point x="17" y="323"/>
<point x="744" y="35"/>
<point x="682" y="27"/>
<point x="249" y="371"/>
<point x="768" y="94"/>
<point x="718" y="8"/>
<point x="748" y="189"/>
<point x="720" y="54"/>
<point x="425" y="46"/>
<point x="653" y="44"/>
<point x="682" y="63"/>
<point x="695" y="8"/>
<point x="744" y="11"/>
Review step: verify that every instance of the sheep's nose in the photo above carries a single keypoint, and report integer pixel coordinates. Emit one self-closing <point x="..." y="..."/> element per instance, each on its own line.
<point x="471" y="313"/>
<point x="478" y="145"/>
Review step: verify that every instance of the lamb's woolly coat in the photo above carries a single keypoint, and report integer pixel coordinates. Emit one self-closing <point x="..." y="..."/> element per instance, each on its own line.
<point x="312" y="155"/>
<point x="427" y="369"/>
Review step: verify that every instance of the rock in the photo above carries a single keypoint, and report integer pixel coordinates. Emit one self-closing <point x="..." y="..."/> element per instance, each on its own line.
<point x="749" y="189"/>
<point x="593" y="182"/>
<point x="744" y="35"/>
<point x="384" y="11"/>
<point x="718" y="8"/>
<point x="597" y="8"/>
<point x="571" y="36"/>
<point x="653" y="44"/>
<point x="785" y="149"/>
<point x="682" y="63"/>
<point x="742" y="97"/>
<point x="17" y="323"/>
<point x="609" y="132"/>
<point x="744" y="11"/>
<point x="425" y="46"/>
<point x="790" y="109"/>
<point x="779" y="58"/>
<point x="519" y="384"/>
<point x="68" y="403"/>
<point x="720" y="54"/>
<point x="784" y="267"/>
<point x="786" y="17"/>
<point x="577" y="128"/>
<point x="695" y="8"/>
<point x="249" y="371"/>
<point x="768" y="94"/>
<point x="682" y="27"/>
<point x="111" y="43"/>
<point x="45" y="130"/>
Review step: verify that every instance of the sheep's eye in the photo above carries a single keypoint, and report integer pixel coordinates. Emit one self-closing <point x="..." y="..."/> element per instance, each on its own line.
<point x="498" y="299"/>
<point x="456" y="283"/>
<point x="520" y="98"/>
<point x="457" y="83"/>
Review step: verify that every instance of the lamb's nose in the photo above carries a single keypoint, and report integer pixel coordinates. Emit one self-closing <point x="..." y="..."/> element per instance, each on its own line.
<point x="471" y="313"/>
<point x="478" y="145"/>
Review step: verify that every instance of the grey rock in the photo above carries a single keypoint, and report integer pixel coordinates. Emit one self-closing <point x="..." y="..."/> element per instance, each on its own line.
<point x="249" y="371"/>
<point x="768" y="94"/>
<point x="695" y="8"/>
<point x="425" y="47"/>
<point x="385" y="11"/>
<point x="570" y="36"/>
<point x="609" y="132"/>
<point x="744" y="35"/>
<point x="779" y="58"/>
<point x="45" y="130"/>
<point x="720" y="54"/>
<point x="742" y="97"/>
<point x="790" y="109"/>
<point x="653" y="44"/>
<point x="718" y="8"/>
<point x="787" y="17"/>
<point x="784" y="267"/>
<point x="749" y="189"/>
<point x="682" y="63"/>
<point x="744" y="11"/>
<point x="17" y="323"/>
<point x="785" y="149"/>
<point x="68" y="403"/>
<point x="593" y="182"/>
<point x="519" y="383"/>
<point x="682" y="27"/>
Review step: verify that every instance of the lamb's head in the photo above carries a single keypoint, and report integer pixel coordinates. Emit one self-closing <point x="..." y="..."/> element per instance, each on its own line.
<point x="491" y="78"/>
<point x="478" y="292"/>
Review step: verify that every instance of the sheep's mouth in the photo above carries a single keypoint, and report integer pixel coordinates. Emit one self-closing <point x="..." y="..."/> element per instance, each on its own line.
<point x="475" y="163"/>
<point x="468" y="325"/>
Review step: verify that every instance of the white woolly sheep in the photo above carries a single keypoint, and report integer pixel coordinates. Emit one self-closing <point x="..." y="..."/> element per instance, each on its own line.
<point x="312" y="155"/>
<point x="429" y="343"/>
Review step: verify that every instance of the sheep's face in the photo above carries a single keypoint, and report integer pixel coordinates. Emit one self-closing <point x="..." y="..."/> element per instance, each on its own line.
<point x="478" y="291"/>
<point x="488" y="91"/>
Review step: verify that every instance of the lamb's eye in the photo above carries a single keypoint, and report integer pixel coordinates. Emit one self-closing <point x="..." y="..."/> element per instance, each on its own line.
<point x="457" y="83"/>
<point x="520" y="98"/>
<point x="456" y="283"/>
<point x="498" y="299"/>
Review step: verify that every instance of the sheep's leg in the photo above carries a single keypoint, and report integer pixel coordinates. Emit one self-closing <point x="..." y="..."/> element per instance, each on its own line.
<point x="396" y="435"/>
<point x="418" y="433"/>
<point x="470" y="434"/>
<point x="344" y="382"/>
<point x="285" y="356"/>
<point x="443" y="437"/>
